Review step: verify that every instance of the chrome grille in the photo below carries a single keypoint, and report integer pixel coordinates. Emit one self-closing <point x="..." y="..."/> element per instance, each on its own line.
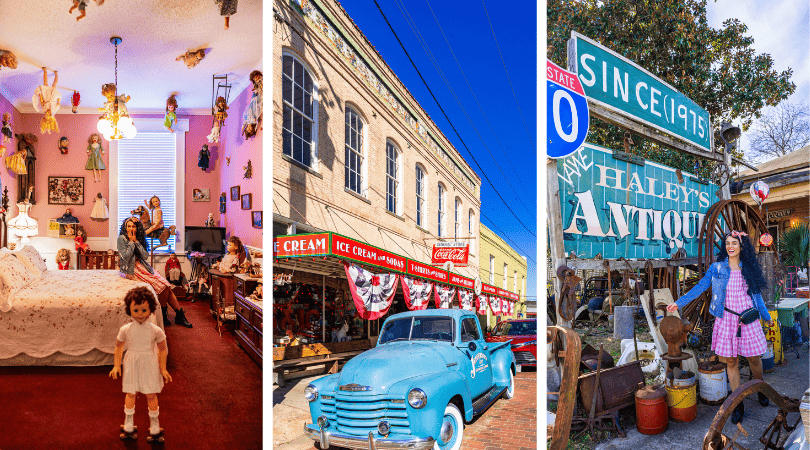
<point x="522" y="358"/>
<point x="360" y="415"/>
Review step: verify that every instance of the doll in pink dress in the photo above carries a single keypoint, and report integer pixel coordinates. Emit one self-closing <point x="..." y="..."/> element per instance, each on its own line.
<point x="144" y="365"/>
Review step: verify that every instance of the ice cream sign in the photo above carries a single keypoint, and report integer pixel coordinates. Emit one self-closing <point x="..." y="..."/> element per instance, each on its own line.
<point x="616" y="208"/>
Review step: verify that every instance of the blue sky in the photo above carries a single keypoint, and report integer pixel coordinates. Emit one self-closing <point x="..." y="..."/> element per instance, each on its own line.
<point x="496" y="121"/>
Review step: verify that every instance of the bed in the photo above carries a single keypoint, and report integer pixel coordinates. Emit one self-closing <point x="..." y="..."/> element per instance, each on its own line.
<point x="59" y="317"/>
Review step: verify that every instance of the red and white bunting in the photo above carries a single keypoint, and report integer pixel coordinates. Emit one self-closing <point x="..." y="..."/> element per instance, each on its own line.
<point x="416" y="292"/>
<point x="372" y="293"/>
<point x="482" y="304"/>
<point x="443" y="296"/>
<point x="506" y="307"/>
<point x="465" y="299"/>
<point x="495" y="304"/>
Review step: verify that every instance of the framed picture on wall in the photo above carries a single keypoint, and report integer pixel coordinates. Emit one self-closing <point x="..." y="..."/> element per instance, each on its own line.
<point x="235" y="193"/>
<point x="256" y="219"/>
<point x="201" y="195"/>
<point x="66" y="190"/>
<point x="247" y="201"/>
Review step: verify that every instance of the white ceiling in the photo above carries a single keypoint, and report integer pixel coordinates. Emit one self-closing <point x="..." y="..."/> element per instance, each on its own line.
<point x="154" y="32"/>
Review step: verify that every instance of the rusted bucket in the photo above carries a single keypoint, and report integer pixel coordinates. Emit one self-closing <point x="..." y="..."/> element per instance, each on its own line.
<point x="713" y="382"/>
<point x="652" y="414"/>
<point x="682" y="401"/>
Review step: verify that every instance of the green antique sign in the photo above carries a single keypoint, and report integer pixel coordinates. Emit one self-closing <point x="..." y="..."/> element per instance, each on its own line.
<point x="616" y="208"/>
<point x="619" y="85"/>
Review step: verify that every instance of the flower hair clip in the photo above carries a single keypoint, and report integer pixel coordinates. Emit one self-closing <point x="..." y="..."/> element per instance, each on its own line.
<point x="738" y="234"/>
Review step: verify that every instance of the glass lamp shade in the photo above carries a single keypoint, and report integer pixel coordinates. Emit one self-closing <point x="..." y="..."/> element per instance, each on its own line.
<point x="23" y="225"/>
<point x="105" y="127"/>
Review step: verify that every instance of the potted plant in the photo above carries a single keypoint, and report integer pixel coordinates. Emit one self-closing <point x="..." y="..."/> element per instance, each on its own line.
<point x="795" y="245"/>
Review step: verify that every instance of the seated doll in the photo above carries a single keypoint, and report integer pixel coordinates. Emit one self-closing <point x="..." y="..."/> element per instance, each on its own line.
<point x="63" y="259"/>
<point x="232" y="262"/>
<point x="174" y="274"/>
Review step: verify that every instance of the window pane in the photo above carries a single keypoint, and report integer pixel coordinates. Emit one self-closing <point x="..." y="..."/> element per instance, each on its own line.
<point x="307" y="156"/>
<point x="287" y="118"/>
<point x="287" y="65"/>
<point x="299" y="73"/>
<point x="307" y="83"/>
<point x="297" y="151"/>
<point x="286" y="90"/>
<point x="297" y="124"/>
<point x="307" y="135"/>
<point x="287" y="136"/>
<point x="298" y="101"/>
<point x="307" y="104"/>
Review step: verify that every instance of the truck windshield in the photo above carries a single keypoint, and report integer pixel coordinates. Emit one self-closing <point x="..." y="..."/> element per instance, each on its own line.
<point x="515" y="328"/>
<point x="417" y="328"/>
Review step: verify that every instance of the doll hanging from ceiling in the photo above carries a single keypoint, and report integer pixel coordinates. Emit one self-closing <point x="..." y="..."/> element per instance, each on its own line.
<point x="6" y="130"/>
<point x="253" y="113"/>
<point x="171" y="113"/>
<point x="219" y="119"/>
<point x="227" y="8"/>
<point x="82" y="5"/>
<point x="75" y="101"/>
<point x="47" y="99"/>
<point x="109" y="91"/>
<point x="95" y="162"/>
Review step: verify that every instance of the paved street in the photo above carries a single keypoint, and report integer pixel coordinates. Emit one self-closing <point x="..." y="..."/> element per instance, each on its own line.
<point x="508" y="424"/>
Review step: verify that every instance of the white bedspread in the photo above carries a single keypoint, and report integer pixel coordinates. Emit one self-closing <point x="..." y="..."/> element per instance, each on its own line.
<point x="67" y="311"/>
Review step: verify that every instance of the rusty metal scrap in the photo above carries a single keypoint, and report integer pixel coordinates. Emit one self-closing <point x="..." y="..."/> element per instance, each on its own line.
<point x="567" y="305"/>
<point x="568" y="388"/>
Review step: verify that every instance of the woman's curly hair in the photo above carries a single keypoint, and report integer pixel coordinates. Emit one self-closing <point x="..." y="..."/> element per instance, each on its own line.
<point x="140" y="234"/>
<point x="140" y="295"/>
<point x="751" y="269"/>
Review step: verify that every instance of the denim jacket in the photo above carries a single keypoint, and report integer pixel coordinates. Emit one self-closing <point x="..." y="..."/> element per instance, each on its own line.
<point x="126" y="249"/>
<point x="717" y="276"/>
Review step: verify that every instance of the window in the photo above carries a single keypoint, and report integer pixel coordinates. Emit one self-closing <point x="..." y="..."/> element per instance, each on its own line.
<point x="391" y="176"/>
<point x="420" y="195"/>
<point x="515" y="282"/>
<point x="441" y="210"/>
<point x="469" y="330"/>
<point x="456" y="214"/>
<point x="504" y="275"/>
<point x="298" y="95"/>
<point x="492" y="270"/>
<point x="354" y="152"/>
<point x="146" y="166"/>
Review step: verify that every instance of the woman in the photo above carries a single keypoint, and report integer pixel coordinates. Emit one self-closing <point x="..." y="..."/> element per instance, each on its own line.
<point x="736" y="280"/>
<point x="132" y="248"/>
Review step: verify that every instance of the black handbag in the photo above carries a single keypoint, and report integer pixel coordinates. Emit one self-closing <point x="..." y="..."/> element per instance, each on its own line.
<point x="750" y="315"/>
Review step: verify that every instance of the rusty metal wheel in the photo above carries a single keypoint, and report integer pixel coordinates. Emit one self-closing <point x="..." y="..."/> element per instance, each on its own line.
<point x="720" y="174"/>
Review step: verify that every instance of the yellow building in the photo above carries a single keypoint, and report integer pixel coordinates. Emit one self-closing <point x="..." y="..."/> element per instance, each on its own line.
<point x="502" y="266"/>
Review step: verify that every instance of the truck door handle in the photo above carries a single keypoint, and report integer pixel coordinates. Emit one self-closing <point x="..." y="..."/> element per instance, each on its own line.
<point x="486" y="347"/>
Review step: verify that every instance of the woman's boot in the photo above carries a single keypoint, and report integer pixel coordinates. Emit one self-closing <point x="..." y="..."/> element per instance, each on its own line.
<point x="166" y="322"/>
<point x="180" y="318"/>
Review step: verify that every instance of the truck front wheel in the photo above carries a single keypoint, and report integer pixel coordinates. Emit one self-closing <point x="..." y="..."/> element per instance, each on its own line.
<point x="451" y="431"/>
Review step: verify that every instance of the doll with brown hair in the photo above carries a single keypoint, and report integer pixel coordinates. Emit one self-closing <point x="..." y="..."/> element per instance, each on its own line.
<point x="80" y="240"/>
<point x="236" y="255"/>
<point x="95" y="162"/>
<point x="253" y="113"/>
<point x="6" y="129"/>
<point x="47" y="99"/>
<point x="220" y="115"/>
<point x="82" y="5"/>
<point x="109" y="91"/>
<point x="157" y="215"/>
<point x="171" y="113"/>
<point x="142" y="369"/>
<point x="63" y="259"/>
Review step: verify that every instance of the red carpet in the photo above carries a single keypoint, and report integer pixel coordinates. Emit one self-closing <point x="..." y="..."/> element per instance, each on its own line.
<point x="214" y="401"/>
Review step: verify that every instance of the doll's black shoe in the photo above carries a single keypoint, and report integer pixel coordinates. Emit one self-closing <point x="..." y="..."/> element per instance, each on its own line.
<point x="166" y="321"/>
<point x="737" y="415"/>
<point x="763" y="399"/>
<point x="180" y="318"/>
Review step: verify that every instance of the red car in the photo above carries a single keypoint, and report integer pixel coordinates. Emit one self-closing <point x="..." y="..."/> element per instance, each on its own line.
<point x="523" y="333"/>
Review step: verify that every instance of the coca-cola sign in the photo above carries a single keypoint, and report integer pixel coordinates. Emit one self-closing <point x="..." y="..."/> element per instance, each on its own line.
<point x="455" y="252"/>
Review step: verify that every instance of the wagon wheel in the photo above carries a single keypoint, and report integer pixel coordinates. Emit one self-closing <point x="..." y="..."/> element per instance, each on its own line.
<point x="720" y="174"/>
<point x="723" y="216"/>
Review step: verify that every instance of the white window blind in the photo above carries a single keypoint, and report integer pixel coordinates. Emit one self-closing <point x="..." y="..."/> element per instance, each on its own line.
<point x="147" y="166"/>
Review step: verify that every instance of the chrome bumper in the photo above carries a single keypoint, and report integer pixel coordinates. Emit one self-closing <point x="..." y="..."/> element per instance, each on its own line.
<point x="327" y="438"/>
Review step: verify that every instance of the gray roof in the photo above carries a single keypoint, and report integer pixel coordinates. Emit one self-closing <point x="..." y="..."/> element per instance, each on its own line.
<point x="793" y="160"/>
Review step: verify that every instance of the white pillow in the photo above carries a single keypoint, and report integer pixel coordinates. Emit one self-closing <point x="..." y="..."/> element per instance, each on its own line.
<point x="32" y="260"/>
<point x="13" y="277"/>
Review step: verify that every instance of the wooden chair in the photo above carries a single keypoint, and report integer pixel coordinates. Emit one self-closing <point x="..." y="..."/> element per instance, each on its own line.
<point x="98" y="260"/>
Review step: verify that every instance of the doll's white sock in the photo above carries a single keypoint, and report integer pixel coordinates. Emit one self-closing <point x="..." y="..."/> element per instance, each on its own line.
<point x="154" y="425"/>
<point x="128" y="421"/>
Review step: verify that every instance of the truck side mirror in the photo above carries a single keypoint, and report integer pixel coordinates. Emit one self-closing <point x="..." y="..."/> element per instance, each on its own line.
<point x="472" y="346"/>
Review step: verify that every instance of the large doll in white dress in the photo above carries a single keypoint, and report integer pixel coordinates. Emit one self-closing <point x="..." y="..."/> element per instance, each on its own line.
<point x="144" y="365"/>
<point x="100" y="209"/>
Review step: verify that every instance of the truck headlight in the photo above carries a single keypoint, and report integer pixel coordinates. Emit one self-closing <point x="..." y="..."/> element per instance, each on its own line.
<point x="417" y="398"/>
<point x="311" y="393"/>
<point x="323" y="422"/>
<point x="384" y="428"/>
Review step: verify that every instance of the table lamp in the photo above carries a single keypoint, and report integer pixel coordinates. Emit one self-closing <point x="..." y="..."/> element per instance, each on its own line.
<point x="23" y="225"/>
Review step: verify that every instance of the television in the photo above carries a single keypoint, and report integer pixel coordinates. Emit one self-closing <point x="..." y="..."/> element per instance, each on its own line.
<point x="208" y="240"/>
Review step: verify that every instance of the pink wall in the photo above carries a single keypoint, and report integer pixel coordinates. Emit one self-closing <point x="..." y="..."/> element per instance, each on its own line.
<point x="234" y="146"/>
<point x="7" y="177"/>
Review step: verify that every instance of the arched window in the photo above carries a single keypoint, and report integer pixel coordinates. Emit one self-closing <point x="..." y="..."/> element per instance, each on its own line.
<point x="457" y="219"/>
<point x="420" y="196"/>
<point x="299" y="94"/>
<point x="391" y="177"/>
<point x="354" y="152"/>
<point x="441" y="211"/>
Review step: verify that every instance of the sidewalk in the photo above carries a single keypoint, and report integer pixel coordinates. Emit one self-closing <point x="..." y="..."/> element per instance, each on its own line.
<point x="488" y="431"/>
<point x="790" y="380"/>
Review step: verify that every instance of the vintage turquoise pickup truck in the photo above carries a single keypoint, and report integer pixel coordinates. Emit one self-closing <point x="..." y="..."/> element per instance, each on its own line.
<point x="430" y="372"/>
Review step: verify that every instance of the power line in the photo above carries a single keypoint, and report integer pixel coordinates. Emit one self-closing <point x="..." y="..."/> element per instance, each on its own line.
<point x="506" y="237"/>
<point x="451" y="123"/>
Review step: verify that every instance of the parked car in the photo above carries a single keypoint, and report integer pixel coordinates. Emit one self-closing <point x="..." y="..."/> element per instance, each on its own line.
<point x="430" y="372"/>
<point x="523" y="335"/>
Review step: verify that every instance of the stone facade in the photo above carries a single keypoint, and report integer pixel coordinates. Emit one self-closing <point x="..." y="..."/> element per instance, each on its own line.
<point x="348" y="73"/>
<point x="494" y="248"/>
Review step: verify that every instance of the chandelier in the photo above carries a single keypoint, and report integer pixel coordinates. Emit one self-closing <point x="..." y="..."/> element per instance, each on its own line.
<point x="115" y="123"/>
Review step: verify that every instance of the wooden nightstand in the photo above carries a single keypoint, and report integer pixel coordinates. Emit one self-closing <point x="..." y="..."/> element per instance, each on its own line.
<point x="249" y="316"/>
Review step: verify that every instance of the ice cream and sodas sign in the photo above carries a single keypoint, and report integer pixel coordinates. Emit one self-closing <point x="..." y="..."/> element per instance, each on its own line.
<point x="616" y="208"/>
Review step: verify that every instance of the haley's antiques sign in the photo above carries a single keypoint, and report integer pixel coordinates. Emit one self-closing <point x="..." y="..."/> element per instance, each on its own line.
<point x="620" y="85"/>
<point x="620" y="209"/>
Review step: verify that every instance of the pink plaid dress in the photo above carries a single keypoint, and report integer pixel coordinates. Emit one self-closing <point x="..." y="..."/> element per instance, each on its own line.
<point x="724" y="337"/>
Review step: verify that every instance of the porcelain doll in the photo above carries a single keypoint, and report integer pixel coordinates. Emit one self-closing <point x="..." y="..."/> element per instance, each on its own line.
<point x="173" y="272"/>
<point x="253" y="113"/>
<point x="6" y="130"/>
<point x="142" y="369"/>
<point x="171" y="113"/>
<point x="67" y="217"/>
<point x="109" y="92"/>
<point x="236" y="253"/>
<point x="210" y="221"/>
<point x="100" y="210"/>
<point x="63" y="259"/>
<point x="75" y="101"/>
<point x="47" y="99"/>
<point x="204" y="158"/>
<point x="81" y="245"/>
<point x="63" y="145"/>
<point x="248" y="170"/>
<point x="227" y="8"/>
<point x="16" y="162"/>
<point x="200" y="286"/>
<point x="156" y="215"/>
<point x="82" y="5"/>
<point x="94" y="156"/>
<point x="219" y="119"/>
